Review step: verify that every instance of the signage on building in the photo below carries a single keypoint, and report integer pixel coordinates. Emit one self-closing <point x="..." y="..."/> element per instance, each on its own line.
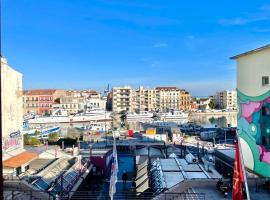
<point x="12" y="142"/>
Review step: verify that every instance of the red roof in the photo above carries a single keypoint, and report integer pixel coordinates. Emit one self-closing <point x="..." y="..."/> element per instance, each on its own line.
<point x="39" y="92"/>
<point x="20" y="159"/>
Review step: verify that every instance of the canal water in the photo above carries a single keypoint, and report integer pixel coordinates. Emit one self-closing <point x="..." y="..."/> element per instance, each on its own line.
<point x="71" y="130"/>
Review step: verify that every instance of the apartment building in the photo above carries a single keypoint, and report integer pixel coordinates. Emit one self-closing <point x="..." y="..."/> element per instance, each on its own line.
<point x="145" y="99"/>
<point x="226" y="99"/>
<point x="72" y="104"/>
<point x="40" y="101"/>
<point x="123" y="99"/>
<point x="184" y="100"/>
<point x="168" y="98"/>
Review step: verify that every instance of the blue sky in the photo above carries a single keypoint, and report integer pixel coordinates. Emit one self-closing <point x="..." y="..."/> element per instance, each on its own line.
<point x="85" y="44"/>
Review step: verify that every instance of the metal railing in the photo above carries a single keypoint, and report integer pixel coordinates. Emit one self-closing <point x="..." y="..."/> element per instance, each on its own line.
<point x="83" y="195"/>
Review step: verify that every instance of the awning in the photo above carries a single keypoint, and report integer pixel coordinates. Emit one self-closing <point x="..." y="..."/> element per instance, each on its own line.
<point x="20" y="159"/>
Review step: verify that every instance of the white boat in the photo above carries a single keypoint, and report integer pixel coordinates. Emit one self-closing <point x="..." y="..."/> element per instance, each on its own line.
<point x="140" y="115"/>
<point x="61" y="117"/>
<point x="99" y="127"/>
<point x="173" y="115"/>
<point x="158" y="124"/>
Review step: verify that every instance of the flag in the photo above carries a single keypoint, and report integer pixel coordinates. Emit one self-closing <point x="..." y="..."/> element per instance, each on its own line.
<point x="238" y="175"/>
<point x="114" y="170"/>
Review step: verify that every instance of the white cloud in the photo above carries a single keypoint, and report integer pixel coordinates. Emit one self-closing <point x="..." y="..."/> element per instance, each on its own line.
<point x="160" y="45"/>
<point x="261" y="14"/>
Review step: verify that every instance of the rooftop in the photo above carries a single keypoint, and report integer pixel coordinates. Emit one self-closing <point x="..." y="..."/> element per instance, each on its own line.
<point x="39" y="92"/>
<point x="20" y="159"/>
<point x="251" y="52"/>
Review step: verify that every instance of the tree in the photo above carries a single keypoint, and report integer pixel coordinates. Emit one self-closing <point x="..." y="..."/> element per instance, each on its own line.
<point x="212" y="104"/>
<point x="28" y="140"/>
<point x="53" y="137"/>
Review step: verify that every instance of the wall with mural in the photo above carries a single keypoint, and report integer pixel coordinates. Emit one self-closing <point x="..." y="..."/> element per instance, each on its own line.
<point x="254" y="131"/>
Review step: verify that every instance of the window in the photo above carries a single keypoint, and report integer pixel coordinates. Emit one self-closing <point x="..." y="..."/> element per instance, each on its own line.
<point x="265" y="80"/>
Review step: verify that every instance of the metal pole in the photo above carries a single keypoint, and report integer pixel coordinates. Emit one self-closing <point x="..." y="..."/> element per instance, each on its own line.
<point x="106" y="125"/>
<point x="243" y="167"/>
<point x="225" y="137"/>
<point x="1" y="123"/>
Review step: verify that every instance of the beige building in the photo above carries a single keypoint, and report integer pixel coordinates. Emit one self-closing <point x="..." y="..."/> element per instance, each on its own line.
<point x="226" y="99"/>
<point x="168" y="98"/>
<point x="123" y="99"/>
<point x="72" y="104"/>
<point x="146" y="99"/>
<point x="12" y="110"/>
<point x="185" y="100"/>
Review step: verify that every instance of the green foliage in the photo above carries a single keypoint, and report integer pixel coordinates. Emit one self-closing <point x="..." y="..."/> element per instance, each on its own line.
<point x="28" y="140"/>
<point x="212" y="104"/>
<point x="37" y="133"/>
<point x="53" y="137"/>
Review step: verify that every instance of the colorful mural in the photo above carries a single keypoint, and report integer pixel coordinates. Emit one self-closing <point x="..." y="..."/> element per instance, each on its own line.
<point x="254" y="131"/>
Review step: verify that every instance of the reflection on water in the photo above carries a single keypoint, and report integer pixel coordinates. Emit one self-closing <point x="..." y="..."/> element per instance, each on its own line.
<point x="204" y="120"/>
<point x="71" y="130"/>
<point x="221" y="121"/>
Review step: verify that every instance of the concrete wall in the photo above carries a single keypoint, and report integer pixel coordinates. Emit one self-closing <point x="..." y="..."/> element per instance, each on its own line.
<point x="12" y="107"/>
<point x="250" y="70"/>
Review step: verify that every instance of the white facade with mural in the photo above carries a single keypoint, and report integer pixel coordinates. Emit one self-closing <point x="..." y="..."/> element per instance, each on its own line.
<point x="253" y="91"/>
<point x="12" y="110"/>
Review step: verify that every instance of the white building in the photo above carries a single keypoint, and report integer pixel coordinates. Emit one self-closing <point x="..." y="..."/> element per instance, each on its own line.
<point x="12" y="109"/>
<point x="168" y="98"/>
<point x="15" y="158"/>
<point x="253" y="95"/>
<point x="226" y="99"/>
<point x="99" y="103"/>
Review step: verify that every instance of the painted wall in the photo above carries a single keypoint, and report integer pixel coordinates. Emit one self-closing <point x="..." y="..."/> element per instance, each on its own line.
<point x="12" y="108"/>
<point x="254" y="111"/>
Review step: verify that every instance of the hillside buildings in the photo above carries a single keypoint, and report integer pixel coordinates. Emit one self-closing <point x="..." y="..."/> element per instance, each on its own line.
<point x="253" y="96"/>
<point x="226" y="99"/>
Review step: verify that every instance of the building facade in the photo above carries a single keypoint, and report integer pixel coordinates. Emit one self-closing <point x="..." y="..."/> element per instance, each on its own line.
<point x="72" y="105"/>
<point x="123" y="99"/>
<point x="146" y="99"/>
<point x="12" y="110"/>
<point x="168" y="98"/>
<point x="253" y="98"/>
<point x="40" y="102"/>
<point x="226" y="99"/>
<point x="184" y="100"/>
